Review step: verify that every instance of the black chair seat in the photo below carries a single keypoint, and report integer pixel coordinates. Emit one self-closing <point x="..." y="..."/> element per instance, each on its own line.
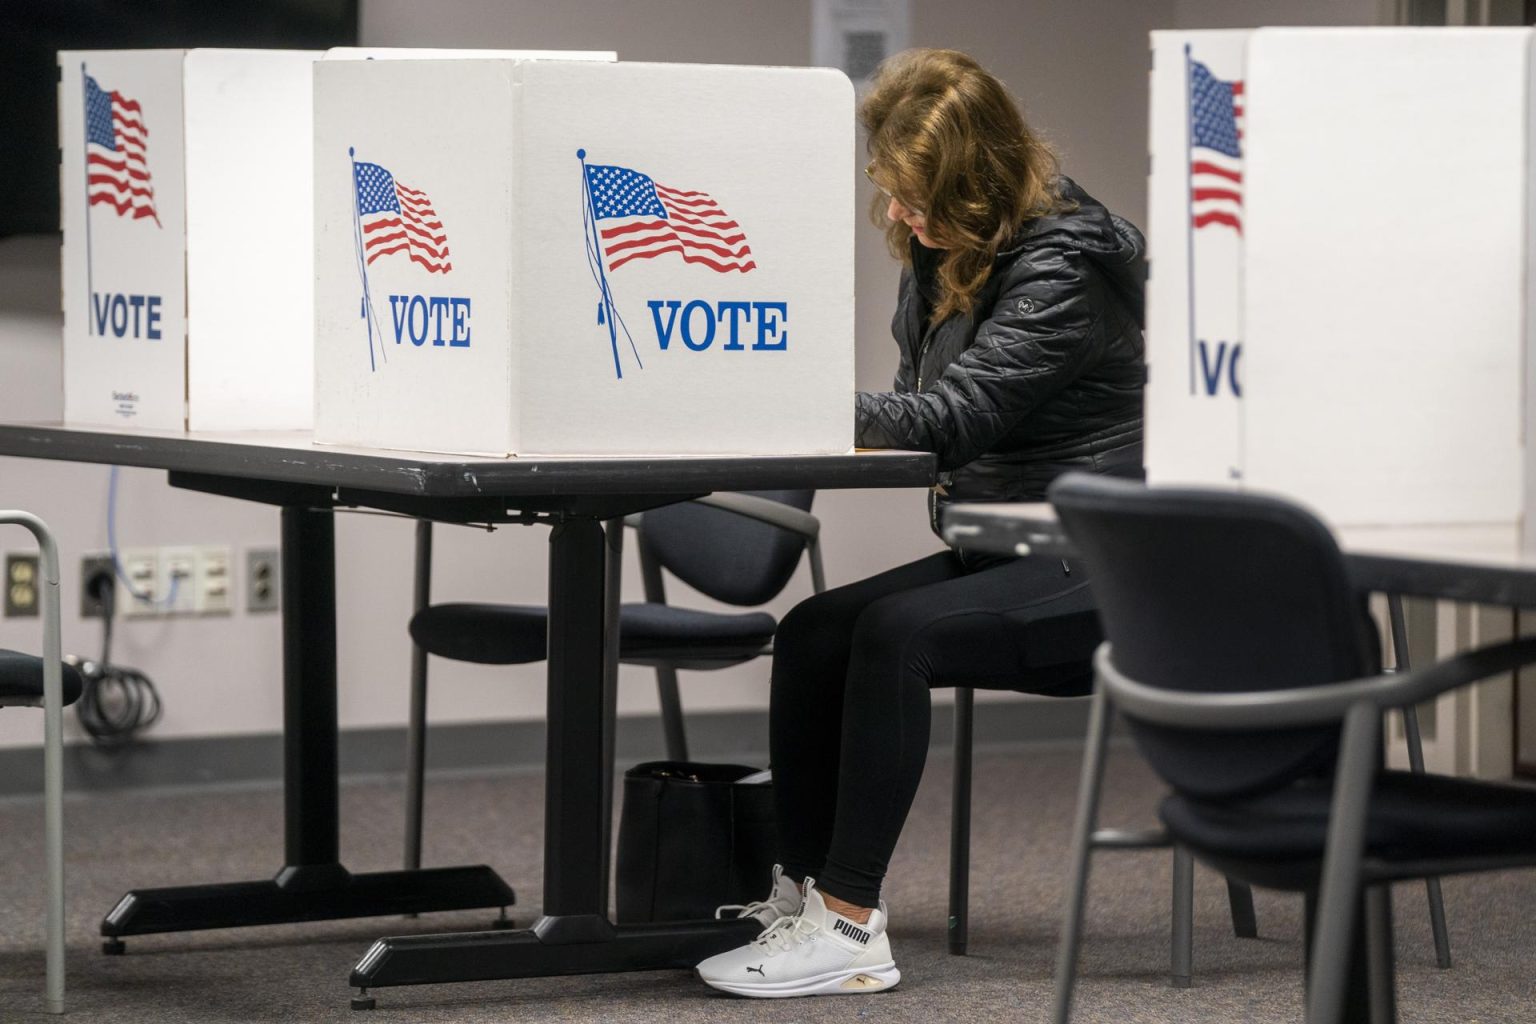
<point x="499" y="634"/>
<point x="666" y="632"/>
<point x="1281" y="835"/>
<point x="21" y="679"/>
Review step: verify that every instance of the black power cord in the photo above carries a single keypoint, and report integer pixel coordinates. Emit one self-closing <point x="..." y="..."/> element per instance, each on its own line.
<point x="117" y="702"/>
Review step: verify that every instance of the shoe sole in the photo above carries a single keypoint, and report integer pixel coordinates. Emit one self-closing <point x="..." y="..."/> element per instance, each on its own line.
<point x="835" y="983"/>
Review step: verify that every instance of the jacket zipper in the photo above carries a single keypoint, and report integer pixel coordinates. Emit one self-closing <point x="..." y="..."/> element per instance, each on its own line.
<point x="922" y="350"/>
<point x="933" y="492"/>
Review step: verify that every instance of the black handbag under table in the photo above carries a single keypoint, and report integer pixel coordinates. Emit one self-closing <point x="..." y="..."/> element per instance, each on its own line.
<point x="691" y="837"/>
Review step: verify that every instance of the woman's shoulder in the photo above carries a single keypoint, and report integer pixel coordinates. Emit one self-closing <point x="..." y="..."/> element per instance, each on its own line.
<point x="1081" y="224"/>
<point x="1070" y="248"/>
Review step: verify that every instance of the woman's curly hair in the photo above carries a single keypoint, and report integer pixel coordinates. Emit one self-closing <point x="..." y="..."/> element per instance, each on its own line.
<point x="947" y="139"/>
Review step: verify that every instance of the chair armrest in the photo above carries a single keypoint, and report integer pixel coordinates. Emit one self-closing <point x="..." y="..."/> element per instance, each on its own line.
<point x="53" y="654"/>
<point x="1307" y="705"/>
<point x="765" y="510"/>
<point x="48" y="551"/>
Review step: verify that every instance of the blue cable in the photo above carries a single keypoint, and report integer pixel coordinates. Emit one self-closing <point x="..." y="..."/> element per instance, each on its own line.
<point x="117" y="562"/>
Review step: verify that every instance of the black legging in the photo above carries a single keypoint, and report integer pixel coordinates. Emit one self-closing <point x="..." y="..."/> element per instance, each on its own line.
<point x="848" y="722"/>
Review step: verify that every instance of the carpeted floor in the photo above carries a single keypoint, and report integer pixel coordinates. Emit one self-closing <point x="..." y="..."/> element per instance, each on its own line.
<point x="1024" y="806"/>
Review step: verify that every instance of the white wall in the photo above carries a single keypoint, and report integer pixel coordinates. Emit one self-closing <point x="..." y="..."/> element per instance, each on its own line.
<point x="1253" y="13"/>
<point x="1079" y="67"/>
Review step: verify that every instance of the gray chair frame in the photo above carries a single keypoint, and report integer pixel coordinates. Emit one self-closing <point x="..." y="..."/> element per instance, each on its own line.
<point x="751" y="506"/>
<point x="1181" y="950"/>
<point x="1357" y="704"/>
<point x="52" y="704"/>
<point x="1239" y="896"/>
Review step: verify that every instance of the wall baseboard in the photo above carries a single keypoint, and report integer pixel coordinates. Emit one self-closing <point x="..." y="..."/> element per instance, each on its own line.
<point x="487" y="746"/>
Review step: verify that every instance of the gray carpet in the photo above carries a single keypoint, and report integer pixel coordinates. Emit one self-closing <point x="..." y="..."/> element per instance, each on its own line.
<point x="1024" y="806"/>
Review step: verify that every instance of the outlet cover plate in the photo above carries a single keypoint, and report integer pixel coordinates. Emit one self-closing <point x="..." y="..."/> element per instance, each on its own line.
<point x="139" y="595"/>
<point x="90" y="565"/>
<point x="261" y="580"/>
<point x="23" y="586"/>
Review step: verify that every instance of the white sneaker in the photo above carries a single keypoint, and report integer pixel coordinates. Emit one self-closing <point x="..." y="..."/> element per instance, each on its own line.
<point x="813" y="953"/>
<point x="783" y="901"/>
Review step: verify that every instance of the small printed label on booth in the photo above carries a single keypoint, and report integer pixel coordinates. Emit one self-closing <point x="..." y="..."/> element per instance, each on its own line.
<point x="125" y="404"/>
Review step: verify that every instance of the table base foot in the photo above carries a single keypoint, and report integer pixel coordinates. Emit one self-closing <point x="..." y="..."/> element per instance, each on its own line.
<point x="583" y="944"/>
<point x="306" y="894"/>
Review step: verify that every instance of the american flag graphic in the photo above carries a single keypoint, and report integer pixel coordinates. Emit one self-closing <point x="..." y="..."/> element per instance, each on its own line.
<point x="654" y="219"/>
<point x="393" y="218"/>
<point x="1216" y="153"/>
<point x="116" y="142"/>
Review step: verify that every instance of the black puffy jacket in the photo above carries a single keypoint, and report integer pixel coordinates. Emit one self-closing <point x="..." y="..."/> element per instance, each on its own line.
<point x="1046" y="378"/>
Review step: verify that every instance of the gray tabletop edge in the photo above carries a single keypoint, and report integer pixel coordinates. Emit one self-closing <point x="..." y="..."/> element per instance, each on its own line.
<point x="423" y="474"/>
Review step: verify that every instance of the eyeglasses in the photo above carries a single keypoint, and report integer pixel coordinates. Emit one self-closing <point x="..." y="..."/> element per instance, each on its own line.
<point x="869" y="172"/>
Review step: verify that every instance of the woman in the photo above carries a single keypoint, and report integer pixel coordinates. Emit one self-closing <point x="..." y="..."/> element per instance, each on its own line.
<point x="1021" y="358"/>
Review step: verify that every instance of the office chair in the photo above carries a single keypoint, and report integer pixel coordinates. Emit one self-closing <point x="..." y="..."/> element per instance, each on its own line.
<point x="739" y="548"/>
<point x="1246" y="666"/>
<point x="46" y="682"/>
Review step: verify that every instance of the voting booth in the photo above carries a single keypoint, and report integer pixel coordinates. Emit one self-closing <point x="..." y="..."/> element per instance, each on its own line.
<point x="1384" y="369"/>
<point x="573" y="258"/>
<point x="188" y="218"/>
<point x="1388" y="277"/>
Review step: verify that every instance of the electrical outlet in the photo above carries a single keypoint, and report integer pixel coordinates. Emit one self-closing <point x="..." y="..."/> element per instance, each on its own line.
<point x="22" y="581"/>
<point x="261" y="580"/>
<point x="92" y="607"/>
<point x="139" y="595"/>
<point x="214" y="585"/>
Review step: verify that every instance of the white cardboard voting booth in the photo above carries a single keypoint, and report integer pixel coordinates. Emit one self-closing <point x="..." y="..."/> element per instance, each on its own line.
<point x="1374" y="270"/>
<point x="1388" y="283"/>
<point x="188" y="219"/>
<point x="1194" y="331"/>
<point x="562" y="258"/>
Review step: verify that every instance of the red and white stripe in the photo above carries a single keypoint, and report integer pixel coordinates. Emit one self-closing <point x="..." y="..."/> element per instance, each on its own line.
<point x="696" y="228"/>
<point x="416" y="231"/>
<point x="119" y="177"/>
<point x="1216" y="180"/>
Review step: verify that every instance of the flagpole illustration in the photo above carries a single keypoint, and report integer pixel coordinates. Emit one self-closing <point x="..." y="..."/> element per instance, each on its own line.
<point x="85" y="167"/>
<point x="606" y="309"/>
<point x="1189" y="202"/>
<point x="362" y="269"/>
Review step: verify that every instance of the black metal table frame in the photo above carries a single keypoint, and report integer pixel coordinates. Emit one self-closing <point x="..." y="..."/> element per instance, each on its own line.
<point x="572" y="496"/>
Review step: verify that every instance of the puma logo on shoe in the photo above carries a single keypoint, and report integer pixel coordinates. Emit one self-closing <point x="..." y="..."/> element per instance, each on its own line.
<point x="758" y="969"/>
<point x="862" y="981"/>
<point x="858" y="935"/>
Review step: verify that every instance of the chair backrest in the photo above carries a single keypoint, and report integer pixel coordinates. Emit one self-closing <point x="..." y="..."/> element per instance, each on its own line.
<point x="723" y="555"/>
<point x="1215" y="591"/>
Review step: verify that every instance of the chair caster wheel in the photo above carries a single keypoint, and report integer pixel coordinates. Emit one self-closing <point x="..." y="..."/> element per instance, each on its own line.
<point x="503" y="923"/>
<point x="363" y="1001"/>
<point x="113" y="947"/>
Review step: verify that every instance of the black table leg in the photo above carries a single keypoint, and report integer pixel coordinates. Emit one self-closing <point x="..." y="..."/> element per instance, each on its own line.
<point x="313" y="885"/>
<point x="574" y="936"/>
